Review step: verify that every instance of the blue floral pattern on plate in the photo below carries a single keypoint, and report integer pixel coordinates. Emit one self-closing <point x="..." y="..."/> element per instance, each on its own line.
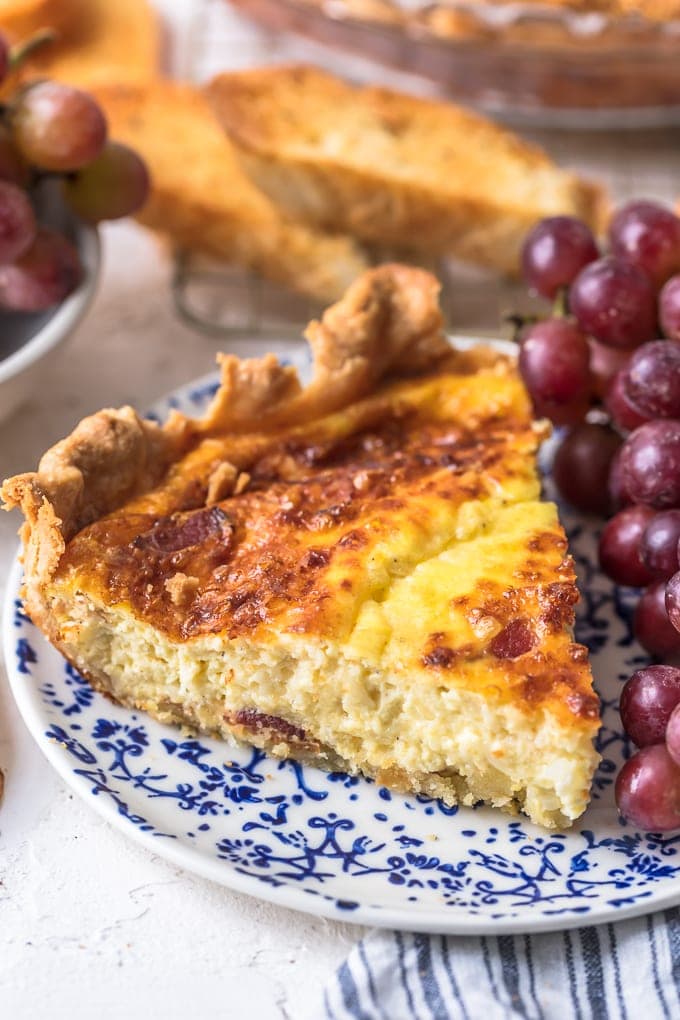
<point x="343" y="846"/>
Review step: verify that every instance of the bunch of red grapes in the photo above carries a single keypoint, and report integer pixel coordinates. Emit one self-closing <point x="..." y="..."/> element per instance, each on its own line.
<point x="50" y="131"/>
<point x="607" y="365"/>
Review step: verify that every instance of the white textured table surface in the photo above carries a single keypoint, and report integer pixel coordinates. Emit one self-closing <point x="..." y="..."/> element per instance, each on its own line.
<point x="91" y="925"/>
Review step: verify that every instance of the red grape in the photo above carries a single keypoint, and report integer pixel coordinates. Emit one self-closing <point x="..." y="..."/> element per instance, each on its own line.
<point x="116" y="184"/>
<point x="615" y="302"/>
<point x="659" y="545"/>
<point x="647" y="701"/>
<point x="605" y="363"/>
<point x="673" y="736"/>
<point x="647" y="790"/>
<point x="648" y="235"/>
<point x="554" y="360"/>
<point x="618" y="494"/>
<point x="582" y="465"/>
<point x="57" y="127"/>
<point x="619" y="548"/>
<point x="669" y="308"/>
<point x="650" y="464"/>
<point x="554" y="251"/>
<point x="673" y="599"/>
<point x="652" y="626"/>
<point x="17" y="222"/>
<point x="43" y="277"/>
<point x="652" y="379"/>
<point x="622" y="411"/>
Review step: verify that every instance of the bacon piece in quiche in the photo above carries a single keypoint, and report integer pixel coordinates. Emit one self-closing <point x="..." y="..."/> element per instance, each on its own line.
<point x="359" y="574"/>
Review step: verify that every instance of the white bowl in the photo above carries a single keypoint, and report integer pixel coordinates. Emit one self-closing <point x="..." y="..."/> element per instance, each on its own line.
<point x="29" y="341"/>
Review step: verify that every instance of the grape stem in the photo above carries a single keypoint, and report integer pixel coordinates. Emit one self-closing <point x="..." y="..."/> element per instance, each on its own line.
<point x="561" y="304"/>
<point x="519" y="323"/>
<point x="20" y="53"/>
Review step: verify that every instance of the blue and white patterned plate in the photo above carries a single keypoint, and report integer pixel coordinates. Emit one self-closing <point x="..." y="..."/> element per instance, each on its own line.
<point x="345" y="847"/>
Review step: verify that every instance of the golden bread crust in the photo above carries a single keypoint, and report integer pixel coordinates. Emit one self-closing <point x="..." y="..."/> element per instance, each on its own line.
<point x="204" y="202"/>
<point x="390" y="168"/>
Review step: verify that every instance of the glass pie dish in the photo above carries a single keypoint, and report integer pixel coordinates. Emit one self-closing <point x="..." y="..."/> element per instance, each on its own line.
<point x="563" y="63"/>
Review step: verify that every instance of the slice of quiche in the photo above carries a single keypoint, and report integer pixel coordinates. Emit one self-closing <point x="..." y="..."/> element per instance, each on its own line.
<point x="358" y="574"/>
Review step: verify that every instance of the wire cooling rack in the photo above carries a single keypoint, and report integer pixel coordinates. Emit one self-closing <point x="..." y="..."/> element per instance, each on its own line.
<point x="223" y="301"/>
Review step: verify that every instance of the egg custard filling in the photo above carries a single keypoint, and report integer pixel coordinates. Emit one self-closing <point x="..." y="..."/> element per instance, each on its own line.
<point x="359" y="574"/>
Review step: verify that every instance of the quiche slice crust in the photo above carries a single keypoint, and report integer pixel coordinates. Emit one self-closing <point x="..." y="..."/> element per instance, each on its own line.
<point x="359" y="574"/>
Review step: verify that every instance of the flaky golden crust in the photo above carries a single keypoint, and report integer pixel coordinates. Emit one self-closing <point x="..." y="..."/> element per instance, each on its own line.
<point x="657" y="10"/>
<point x="398" y="12"/>
<point x="533" y="23"/>
<point x="387" y="323"/>
<point x="109" y="457"/>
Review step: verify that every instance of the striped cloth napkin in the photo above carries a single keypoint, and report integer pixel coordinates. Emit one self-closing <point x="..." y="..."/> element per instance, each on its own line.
<point x="624" y="971"/>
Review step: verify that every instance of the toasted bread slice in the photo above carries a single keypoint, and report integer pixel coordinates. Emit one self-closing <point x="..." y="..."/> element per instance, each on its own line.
<point x="108" y="40"/>
<point x="359" y="573"/>
<point x="202" y="199"/>
<point x="391" y="168"/>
